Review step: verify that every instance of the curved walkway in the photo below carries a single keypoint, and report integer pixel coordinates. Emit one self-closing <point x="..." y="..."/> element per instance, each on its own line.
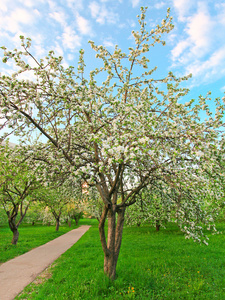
<point x="18" y="272"/>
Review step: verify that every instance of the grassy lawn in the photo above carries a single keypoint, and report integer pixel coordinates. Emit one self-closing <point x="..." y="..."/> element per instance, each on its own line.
<point x="29" y="238"/>
<point x="152" y="265"/>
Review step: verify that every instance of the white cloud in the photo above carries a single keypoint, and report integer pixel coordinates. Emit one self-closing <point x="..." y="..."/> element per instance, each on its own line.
<point x="200" y="46"/>
<point x="21" y="15"/>
<point x="132" y="23"/>
<point x="17" y="19"/>
<point x="59" y="16"/>
<point x="28" y="3"/>
<point x="75" y="5"/>
<point x="200" y="30"/>
<point x="159" y="5"/>
<point x="110" y="17"/>
<point x="103" y="14"/>
<point x="58" y="50"/>
<point x="39" y="49"/>
<point x="70" y="39"/>
<point x="70" y="56"/>
<point x="4" y="5"/>
<point x="52" y="5"/>
<point x="215" y="62"/>
<point x="183" y="7"/>
<point x="94" y="8"/>
<point x="83" y="25"/>
<point x="135" y="3"/>
<point x="221" y="13"/>
<point x="217" y="58"/>
<point x="108" y="43"/>
<point x="9" y="68"/>
<point x="31" y="3"/>
<point x="222" y="89"/>
<point x="4" y="36"/>
<point x="179" y="49"/>
<point x="209" y="70"/>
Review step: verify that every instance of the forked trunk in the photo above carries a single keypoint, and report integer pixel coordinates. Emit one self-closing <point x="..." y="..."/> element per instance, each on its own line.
<point x="57" y="218"/>
<point x="14" y="229"/>
<point x="111" y="248"/>
<point x="12" y="221"/>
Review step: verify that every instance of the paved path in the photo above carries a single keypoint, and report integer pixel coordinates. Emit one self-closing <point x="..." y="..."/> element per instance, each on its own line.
<point x="18" y="272"/>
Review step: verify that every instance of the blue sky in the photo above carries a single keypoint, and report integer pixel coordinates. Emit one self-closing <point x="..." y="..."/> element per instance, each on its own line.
<point x="196" y="45"/>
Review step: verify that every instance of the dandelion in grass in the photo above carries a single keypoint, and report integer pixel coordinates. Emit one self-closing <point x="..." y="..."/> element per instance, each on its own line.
<point x="130" y="290"/>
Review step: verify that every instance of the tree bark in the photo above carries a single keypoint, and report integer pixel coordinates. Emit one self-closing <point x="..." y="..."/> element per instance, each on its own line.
<point x="111" y="248"/>
<point x="157" y="225"/>
<point x="57" y="225"/>
<point x="57" y="218"/>
<point x="14" y="229"/>
<point x="77" y="218"/>
<point x="15" y="237"/>
<point x="110" y="256"/>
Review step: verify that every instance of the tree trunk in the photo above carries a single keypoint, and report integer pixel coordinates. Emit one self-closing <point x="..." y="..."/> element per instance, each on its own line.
<point x="110" y="255"/>
<point x="76" y="218"/>
<point x="112" y="247"/>
<point x="14" y="229"/>
<point x="57" y="218"/>
<point x="57" y="225"/>
<point x="15" y="237"/>
<point x="157" y="225"/>
<point x="12" y="220"/>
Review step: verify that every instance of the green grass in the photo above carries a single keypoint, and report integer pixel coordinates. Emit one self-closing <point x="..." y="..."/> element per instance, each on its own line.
<point x="151" y="265"/>
<point x="29" y="238"/>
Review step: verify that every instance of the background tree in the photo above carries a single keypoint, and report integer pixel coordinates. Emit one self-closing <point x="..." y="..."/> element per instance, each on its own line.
<point x="152" y="207"/>
<point x="18" y="183"/>
<point x="75" y="206"/>
<point x="121" y="135"/>
<point x="35" y="213"/>
<point x="53" y="200"/>
<point x="57" y="195"/>
<point x="74" y="212"/>
<point x="216" y="205"/>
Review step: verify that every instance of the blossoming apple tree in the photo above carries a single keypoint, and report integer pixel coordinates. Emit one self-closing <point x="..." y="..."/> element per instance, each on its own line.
<point x="57" y="195"/>
<point x="151" y="207"/>
<point x="120" y="135"/>
<point x="18" y="183"/>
